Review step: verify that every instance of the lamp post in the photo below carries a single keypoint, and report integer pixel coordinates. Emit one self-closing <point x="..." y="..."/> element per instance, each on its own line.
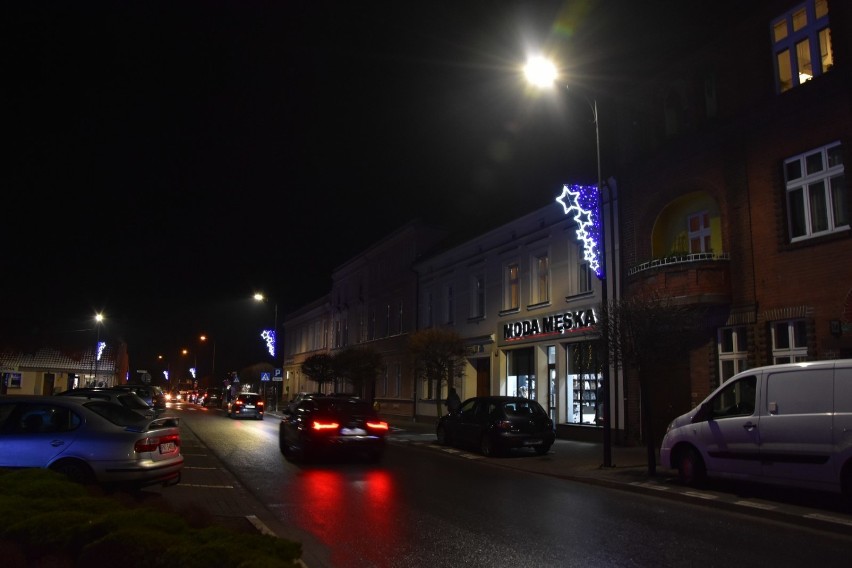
<point x="204" y="338"/>
<point x="541" y="72"/>
<point x="99" y="318"/>
<point x="167" y="372"/>
<point x="258" y="297"/>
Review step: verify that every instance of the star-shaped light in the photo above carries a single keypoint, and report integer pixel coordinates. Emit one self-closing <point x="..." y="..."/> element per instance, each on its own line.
<point x="269" y="336"/>
<point x="582" y="202"/>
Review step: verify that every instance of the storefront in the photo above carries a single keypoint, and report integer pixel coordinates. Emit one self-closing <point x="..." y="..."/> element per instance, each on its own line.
<point x="555" y="359"/>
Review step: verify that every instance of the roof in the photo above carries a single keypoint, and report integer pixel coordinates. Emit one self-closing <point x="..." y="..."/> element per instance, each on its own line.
<point x="52" y="359"/>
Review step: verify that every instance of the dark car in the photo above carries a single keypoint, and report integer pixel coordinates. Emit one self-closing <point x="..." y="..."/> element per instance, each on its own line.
<point x="246" y="404"/>
<point x="210" y="397"/>
<point x="329" y="426"/>
<point x="89" y="440"/>
<point x="124" y="397"/>
<point x="494" y="424"/>
<point x="151" y="394"/>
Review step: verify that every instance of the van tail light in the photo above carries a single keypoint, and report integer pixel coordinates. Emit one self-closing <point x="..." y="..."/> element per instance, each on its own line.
<point x="151" y="444"/>
<point x="378" y="425"/>
<point x="319" y="425"/>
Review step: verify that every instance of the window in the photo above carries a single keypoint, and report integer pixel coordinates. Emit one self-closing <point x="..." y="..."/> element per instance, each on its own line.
<point x="584" y="272"/>
<point x="512" y="287"/>
<point x="801" y="42"/>
<point x="738" y="398"/>
<point x="698" y="226"/>
<point x="816" y="193"/>
<point x="449" y="305"/>
<point x="733" y="351"/>
<point x="540" y="279"/>
<point x="789" y="341"/>
<point x="477" y="296"/>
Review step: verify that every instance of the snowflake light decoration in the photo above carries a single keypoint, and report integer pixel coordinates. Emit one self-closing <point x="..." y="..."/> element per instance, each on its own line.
<point x="269" y="336"/>
<point x="101" y="347"/>
<point x="582" y="201"/>
<point x="192" y="372"/>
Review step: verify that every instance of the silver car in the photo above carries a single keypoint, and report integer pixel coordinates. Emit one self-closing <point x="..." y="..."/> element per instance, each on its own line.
<point x="89" y="440"/>
<point x="123" y="397"/>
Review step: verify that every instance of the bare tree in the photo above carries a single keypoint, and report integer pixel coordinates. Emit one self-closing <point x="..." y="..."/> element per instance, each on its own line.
<point x="319" y="368"/>
<point x="439" y="358"/>
<point x="359" y="366"/>
<point x="643" y="333"/>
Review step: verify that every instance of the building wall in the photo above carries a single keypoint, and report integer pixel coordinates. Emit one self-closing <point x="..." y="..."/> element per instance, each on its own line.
<point x="736" y="155"/>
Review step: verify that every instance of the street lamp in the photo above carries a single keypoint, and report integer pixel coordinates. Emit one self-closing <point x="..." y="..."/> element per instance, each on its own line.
<point x="542" y="72"/>
<point x="99" y="318"/>
<point x="204" y="338"/>
<point x="271" y="338"/>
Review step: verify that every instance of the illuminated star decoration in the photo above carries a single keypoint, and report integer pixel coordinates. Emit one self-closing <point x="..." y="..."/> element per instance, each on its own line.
<point x="101" y="347"/>
<point x="192" y="372"/>
<point x="582" y="202"/>
<point x="269" y="336"/>
<point x="166" y="374"/>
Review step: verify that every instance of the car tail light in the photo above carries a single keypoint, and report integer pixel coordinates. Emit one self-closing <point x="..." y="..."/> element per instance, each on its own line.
<point x="259" y="403"/>
<point x="238" y="403"/>
<point x="151" y="444"/>
<point x="377" y="425"/>
<point x="320" y="425"/>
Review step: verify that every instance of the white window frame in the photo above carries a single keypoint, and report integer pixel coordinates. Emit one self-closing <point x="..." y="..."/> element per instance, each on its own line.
<point x="540" y="278"/>
<point x="816" y="193"/>
<point x="785" y="347"/>
<point x="512" y="286"/>
<point x="701" y="233"/>
<point x="801" y="44"/>
<point x="477" y="295"/>
<point x="737" y="357"/>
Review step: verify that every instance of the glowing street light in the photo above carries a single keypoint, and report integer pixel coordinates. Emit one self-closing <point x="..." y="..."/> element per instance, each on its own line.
<point x="542" y="72"/>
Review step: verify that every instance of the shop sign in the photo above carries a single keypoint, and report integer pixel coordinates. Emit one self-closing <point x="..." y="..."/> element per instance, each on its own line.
<point x="556" y="324"/>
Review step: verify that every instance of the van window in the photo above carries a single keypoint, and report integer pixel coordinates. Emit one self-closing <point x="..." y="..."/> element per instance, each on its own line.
<point x="800" y="391"/>
<point x="736" y="399"/>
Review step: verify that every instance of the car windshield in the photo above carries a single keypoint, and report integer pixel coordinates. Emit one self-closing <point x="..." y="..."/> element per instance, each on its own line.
<point x="118" y="415"/>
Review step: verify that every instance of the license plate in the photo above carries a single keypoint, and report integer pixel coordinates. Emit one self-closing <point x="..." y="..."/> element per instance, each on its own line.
<point x="249" y="406"/>
<point x="352" y="431"/>
<point x="167" y="448"/>
<point x="532" y="442"/>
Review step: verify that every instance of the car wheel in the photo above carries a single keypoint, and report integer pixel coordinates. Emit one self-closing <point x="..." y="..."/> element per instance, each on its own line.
<point x="542" y="450"/>
<point x="76" y="471"/>
<point x="487" y="447"/>
<point x="690" y="467"/>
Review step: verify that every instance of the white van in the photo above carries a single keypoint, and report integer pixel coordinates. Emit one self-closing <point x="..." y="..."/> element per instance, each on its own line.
<point x="785" y="424"/>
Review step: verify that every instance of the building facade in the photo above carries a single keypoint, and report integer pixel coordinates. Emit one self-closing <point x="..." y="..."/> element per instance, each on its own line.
<point x="735" y="199"/>
<point x="525" y="297"/>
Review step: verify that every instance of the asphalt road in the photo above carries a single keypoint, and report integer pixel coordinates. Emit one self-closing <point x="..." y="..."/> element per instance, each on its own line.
<point x="421" y="507"/>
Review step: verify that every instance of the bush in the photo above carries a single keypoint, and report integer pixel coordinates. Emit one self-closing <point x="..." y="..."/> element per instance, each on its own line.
<point x="51" y="521"/>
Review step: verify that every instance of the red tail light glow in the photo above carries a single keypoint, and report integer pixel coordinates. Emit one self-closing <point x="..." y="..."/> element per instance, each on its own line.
<point x="379" y="425"/>
<point x="153" y="443"/>
<point x="317" y="425"/>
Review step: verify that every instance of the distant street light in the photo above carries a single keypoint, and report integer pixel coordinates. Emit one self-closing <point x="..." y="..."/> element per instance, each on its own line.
<point x="542" y="72"/>
<point x="271" y="341"/>
<point x="204" y="338"/>
<point x="99" y="319"/>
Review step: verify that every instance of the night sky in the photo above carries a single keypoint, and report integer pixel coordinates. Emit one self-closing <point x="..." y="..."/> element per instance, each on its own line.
<point x="165" y="160"/>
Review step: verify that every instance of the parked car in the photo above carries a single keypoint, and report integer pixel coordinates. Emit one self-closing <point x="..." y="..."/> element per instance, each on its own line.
<point x="291" y="406"/>
<point x="210" y="397"/>
<point x="246" y="404"/>
<point x="151" y="394"/>
<point x="495" y="424"/>
<point x="126" y="398"/>
<point x="329" y="426"/>
<point x="781" y="424"/>
<point x="89" y="440"/>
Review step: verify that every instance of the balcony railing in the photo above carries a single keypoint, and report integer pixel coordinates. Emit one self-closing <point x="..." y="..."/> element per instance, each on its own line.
<point x="678" y="259"/>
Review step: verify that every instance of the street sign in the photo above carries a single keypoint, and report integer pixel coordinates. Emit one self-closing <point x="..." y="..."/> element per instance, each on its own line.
<point x="277" y="376"/>
<point x="146" y="378"/>
<point x="264" y="377"/>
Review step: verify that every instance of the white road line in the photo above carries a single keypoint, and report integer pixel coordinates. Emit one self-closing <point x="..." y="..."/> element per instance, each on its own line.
<point x="706" y="496"/>
<point x="829" y="518"/>
<point x="754" y="505"/>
